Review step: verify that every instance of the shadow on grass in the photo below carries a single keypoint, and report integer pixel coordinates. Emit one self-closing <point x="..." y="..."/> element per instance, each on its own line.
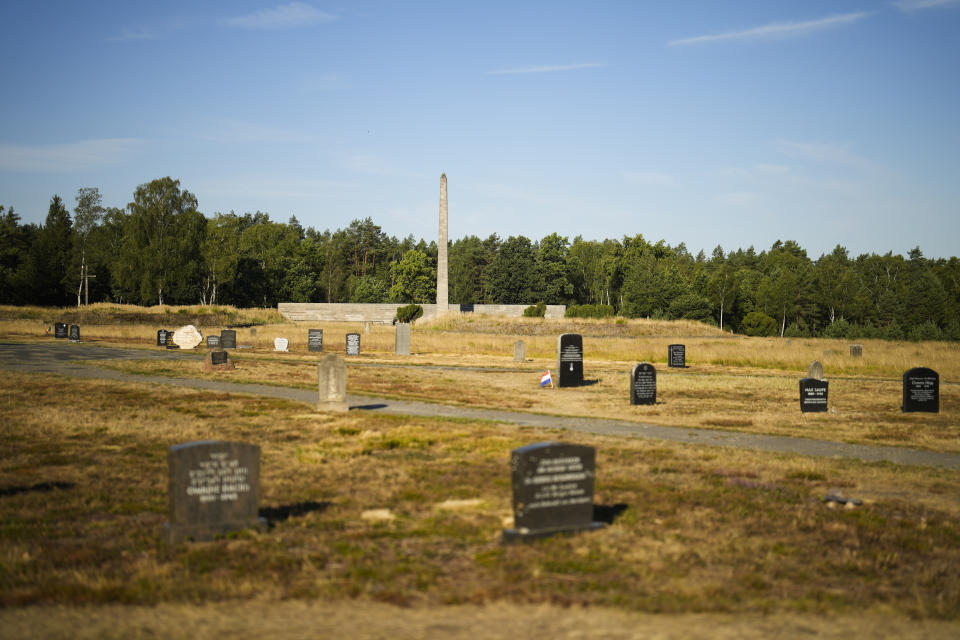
<point x="368" y="407"/>
<point x="286" y="511"/>
<point x="608" y="513"/>
<point x="40" y="487"/>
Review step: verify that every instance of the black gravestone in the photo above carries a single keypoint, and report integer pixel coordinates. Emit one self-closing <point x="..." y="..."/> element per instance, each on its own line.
<point x="353" y="344"/>
<point x="163" y="336"/>
<point x="315" y="340"/>
<point x="213" y="342"/>
<point x="921" y="391"/>
<point x="228" y="339"/>
<point x="677" y="356"/>
<point x="552" y="490"/>
<point x="570" y="360"/>
<point x="214" y="489"/>
<point x="643" y="384"/>
<point x="74" y="333"/>
<point x="60" y="330"/>
<point x="813" y="395"/>
<point x="219" y="357"/>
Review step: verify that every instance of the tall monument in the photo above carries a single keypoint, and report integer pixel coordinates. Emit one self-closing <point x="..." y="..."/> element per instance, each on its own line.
<point x="442" y="282"/>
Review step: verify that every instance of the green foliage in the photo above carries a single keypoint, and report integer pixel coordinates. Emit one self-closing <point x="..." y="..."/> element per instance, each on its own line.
<point x="691" y="306"/>
<point x="510" y="275"/>
<point x="926" y="331"/>
<point x="414" y="278"/>
<point x="757" y="323"/>
<point x="840" y="328"/>
<point x="538" y="310"/>
<point x="589" y="311"/>
<point x="409" y="313"/>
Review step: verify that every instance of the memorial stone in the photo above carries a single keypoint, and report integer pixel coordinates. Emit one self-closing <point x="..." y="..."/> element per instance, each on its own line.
<point x="552" y="490"/>
<point x="353" y="344"/>
<point x="315" y="340"/>
<point x="74" y="333"/>
<point x="163" y="337"/>
<point x="519" y="351"/>
<point x="815" y="370"/>
<point x="187" y="337"/>
<point x="60" y="330"/>
<point x="813" y="395"/>
<point x="402" y="344"/>
<point x="856" y="350"/>
<point x="228" y="339"/>
<point x="366" y="327"/>
<point x="213" y="342"/>
<point x="643" y="384"/>
<point x="921" y="391"/>
<point x="570" y="360"/>
<point x="281" y="344"/>
<point x="677" y="356"/>
<point x="332" y="383"/>
<point x="214" y="489"/>
<point x="218" y="361"/>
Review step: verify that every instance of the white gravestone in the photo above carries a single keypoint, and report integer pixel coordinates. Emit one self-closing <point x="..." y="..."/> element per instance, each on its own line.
<point x="280" y="344"/>
<point x="187" y="337"/>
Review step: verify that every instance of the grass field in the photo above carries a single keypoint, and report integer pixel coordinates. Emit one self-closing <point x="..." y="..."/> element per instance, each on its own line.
<point x="408" y="512"/>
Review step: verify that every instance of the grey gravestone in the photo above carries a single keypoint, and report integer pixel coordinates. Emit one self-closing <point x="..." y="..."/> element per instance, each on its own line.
<point x="856" y="350"/>
<point x="214" y="489"/>
<point x="643" y="384"/>
<point x="228" y="339"/>
<point x="219" y="357"/>
<point x="519" y="351"/>
<point x="163" y="337"/>
<point x="332" y="383"/>
<point x="59" y="329"/>
<point x="213" y="342"/>
<point x="921" y="391"/>
<point x="402" y="345"/>
<point x="677" y="356"/>
<point x="315" y="340"/>
<point x="570" y="360"/>
<point x="813" y="395"/>
<point x="815" y="370"/>
<point x="353" y="344"/>
<point x="74" y="333"/>
<point x="552" y="490"/>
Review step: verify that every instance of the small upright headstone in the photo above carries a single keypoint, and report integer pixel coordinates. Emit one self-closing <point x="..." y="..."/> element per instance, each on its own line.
<point x="519" y="351"/>
<point x="218" y="361"/>
<point x="187" y="337"/>
<point x="815" y="370"/>
<point x="228" y="339"/>
<point x="813" y="395"/>
<point x="677" y="356"/>
<point x="60" y="330"/>
<point x="280" y="344"/>
<point x="921" y="391"/>
<point x="315" y="340"/>
<point x="856" y="350"/>
<point x="213" y="342"/>
<point x="402" y="338"/>
<point x="552" y="490"/>
<point x="570" y="360"/>
<point x="332" y="383"/>
<point x="214" y="489"/>
<point x="353" y="344"/>
<point x="74" y="333"/>
<point x="163" y="337"/>
<point x="643" y="384"/>
<point x="366" y="327"/>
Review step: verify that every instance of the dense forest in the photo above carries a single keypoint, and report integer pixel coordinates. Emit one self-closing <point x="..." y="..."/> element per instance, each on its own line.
<point x="162" y="250"/>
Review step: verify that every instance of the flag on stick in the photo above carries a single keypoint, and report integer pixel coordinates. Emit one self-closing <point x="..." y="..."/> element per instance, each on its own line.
<point x="545" y="379"/>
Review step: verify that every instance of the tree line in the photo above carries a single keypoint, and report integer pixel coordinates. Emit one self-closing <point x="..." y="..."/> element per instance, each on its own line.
<point x="161" y="250"/>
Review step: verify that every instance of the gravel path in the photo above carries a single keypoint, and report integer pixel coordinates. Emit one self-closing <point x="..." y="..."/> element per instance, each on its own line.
<point x="65" y="358"/>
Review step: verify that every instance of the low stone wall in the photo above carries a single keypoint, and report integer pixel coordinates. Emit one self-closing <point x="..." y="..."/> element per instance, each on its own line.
<point x="348" y="312"/>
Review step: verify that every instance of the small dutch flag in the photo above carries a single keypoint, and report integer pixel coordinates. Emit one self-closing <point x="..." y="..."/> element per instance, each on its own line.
<point x="545" y="379"/>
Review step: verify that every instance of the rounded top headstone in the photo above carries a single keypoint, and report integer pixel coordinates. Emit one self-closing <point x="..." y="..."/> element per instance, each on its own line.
<point x="815" y="370"/>
<point x="187" y="337"/>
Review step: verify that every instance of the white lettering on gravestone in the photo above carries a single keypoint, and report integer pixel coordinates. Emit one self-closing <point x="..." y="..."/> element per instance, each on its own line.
<point x="218" y="479"/>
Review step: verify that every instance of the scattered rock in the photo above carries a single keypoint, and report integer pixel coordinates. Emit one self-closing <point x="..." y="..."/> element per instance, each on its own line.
<point x="377" y="515"/>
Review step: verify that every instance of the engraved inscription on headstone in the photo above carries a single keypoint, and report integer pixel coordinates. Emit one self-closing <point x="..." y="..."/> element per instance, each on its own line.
<point x="60" y="330"/>
<point x="402" y="345"/>
<point x="332" y="383"/>
<point x="280" y="344"/>
<point x="163" y="337"/>
<point x="213" y="342"/>
<point x="228" y="339"/>
<point x="921" y="391"/>
<point x="552" y="489"/>
<point x="643" y="384"/>
<point x="519" y="351"/>
<point x="856" y="350"/>
<point x="353" y="344"/>
<point x="813" y="395"/>
<point x="74" y="333"/>
<point x="677" y="355"/>
<point x="218" y="361"/>
<point x="815" y="370"/>
<point x="187" y="337"/>
<point x="214" y="489"/>
<point x="219" y="357"/>
<point x="315" y="340"/>
<point x="570" y="360"/>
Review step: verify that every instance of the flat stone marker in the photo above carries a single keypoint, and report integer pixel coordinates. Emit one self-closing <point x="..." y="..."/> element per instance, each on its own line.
<point x="552" y="490"/>
<point x="570" y="360"/>
<point x="402" y="339"/>
<point x="187" y="337"/>
<point x="519" y="351"/>
<point x="228" y="339"/>
<point x="332" y="383"/>
<point x="74" y="333"/>
<point x="353" y="344"/>
<point x="60" y="330"/>
<point x="921" y="391"/>
<point x="163" y="337"/>
<point x="813" y="395"/>
<point x="213" y="342"/>
<point x="856" y="350"/>
<point x="281" y="344"/>
<point x="643" y="384"/>
<point x="677" y="356"/>
<point x="315" y="340"/>
<point x="214" y="489"/>
<point x="815" y="370"/>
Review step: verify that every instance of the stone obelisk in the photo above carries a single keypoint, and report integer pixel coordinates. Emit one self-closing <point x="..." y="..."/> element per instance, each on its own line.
<point x="442" y="282"/>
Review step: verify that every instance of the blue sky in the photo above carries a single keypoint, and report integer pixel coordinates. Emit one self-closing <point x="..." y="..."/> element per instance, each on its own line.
<point x="709" y="122"/>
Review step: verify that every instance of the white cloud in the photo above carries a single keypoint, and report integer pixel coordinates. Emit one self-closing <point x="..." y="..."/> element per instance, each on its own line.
<point x="649" y="178"/>
<point x="71" y="156"/>
<point x="285" y="16"/>
<point x="775" y="30"/>
<point x="824" y="153"/>
<point x="546" y="69"/>
<point x="916" y="5"/>
<point x="134" y="35"/>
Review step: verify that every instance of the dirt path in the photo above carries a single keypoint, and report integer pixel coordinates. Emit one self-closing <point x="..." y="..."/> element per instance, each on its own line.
<point x="68" y="359"/>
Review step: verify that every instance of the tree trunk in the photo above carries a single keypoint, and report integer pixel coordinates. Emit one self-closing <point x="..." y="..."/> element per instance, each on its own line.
<point x="721" y="314"/>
